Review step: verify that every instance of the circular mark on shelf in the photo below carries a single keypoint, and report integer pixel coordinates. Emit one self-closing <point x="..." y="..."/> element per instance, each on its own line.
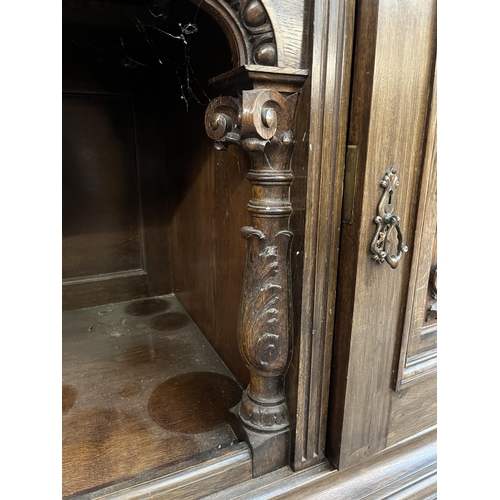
<point x="147" y="307"/>
<point x="129" y="390"/>
<point x="169" y="321"/>
<point x="194" y="402"/>
<point x="68" y="398"/>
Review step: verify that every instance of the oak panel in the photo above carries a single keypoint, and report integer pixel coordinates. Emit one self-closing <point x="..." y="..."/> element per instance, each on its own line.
<point x="418" y="355"/>
<point x="100" y="194"/>
<point x="413" y="408"/>
<point x="115" y="191"/>
<point x="103" y="289"/>
<point x="392" y="82"/>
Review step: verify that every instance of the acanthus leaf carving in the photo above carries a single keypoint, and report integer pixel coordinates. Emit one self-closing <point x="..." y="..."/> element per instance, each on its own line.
<point x="265" y="305"/>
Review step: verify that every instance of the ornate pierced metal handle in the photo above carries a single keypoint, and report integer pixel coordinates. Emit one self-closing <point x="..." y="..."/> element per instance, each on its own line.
<point x="387" y="223"/>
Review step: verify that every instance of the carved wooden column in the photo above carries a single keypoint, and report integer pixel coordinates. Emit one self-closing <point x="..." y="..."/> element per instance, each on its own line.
<point x="260" y="121"/>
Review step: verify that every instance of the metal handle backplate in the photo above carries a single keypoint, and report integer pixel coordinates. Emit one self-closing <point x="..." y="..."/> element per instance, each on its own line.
<point x="387" y="223"/>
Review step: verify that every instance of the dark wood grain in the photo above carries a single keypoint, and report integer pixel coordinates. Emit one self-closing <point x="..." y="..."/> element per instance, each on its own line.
<point x="265" y="34"/>
<point x="100" y="200"/>
<point x="151" y="114"/>
<point x="106" y="288"/>
<point x="199" y="401"/>
<point x="147" y="307"/>
<point x="135" y="399"/>
<point x="207" y="207"/>
<point x="298" y="190"/>
<point x="232" y="192"/>
<point x="145" y="405"/>
<point x="169" y="321"/>
<point x="193" y="229"/>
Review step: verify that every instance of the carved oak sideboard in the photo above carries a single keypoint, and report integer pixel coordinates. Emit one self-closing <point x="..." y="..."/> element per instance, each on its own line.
<point x="262" y="174"/>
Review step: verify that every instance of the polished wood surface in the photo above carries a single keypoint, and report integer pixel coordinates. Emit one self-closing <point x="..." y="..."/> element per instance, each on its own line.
<point x="142" y="391"/>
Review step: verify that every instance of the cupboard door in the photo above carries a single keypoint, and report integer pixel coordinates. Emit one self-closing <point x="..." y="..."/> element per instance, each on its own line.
<point x="384" y="370"/>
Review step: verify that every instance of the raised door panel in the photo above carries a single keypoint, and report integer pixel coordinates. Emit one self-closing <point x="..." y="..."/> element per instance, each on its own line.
<point x="390" y="128"/>
<point x="114" y="190"/>
<point x="418" y="354"/>
<point x="101" y="219"/>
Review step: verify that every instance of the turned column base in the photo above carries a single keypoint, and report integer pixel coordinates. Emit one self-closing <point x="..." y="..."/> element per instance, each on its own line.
<point x="270" y="450"/>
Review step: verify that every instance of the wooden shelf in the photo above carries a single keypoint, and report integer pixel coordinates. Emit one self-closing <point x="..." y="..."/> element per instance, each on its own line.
<point x="143" y="391"/>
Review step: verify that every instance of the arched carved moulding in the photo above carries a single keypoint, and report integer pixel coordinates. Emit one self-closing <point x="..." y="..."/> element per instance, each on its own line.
<point x="248" y="29"/>
<point x="259" y="31"/>
<point x="260" y="121"/>
<point x="263" y="34"/>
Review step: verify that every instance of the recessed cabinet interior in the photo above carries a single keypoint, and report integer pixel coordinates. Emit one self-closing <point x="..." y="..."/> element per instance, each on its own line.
<point x="226" y="331"/>
<point x="151" y="217"/>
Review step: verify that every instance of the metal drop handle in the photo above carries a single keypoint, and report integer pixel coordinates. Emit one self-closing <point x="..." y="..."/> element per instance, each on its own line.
<point x="387" y="223"/>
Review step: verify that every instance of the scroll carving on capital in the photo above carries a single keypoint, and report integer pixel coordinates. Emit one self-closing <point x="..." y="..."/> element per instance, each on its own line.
<point x="255" y="20"/>
<point x="260" y="122"/>
<point x="222" y="121"/>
